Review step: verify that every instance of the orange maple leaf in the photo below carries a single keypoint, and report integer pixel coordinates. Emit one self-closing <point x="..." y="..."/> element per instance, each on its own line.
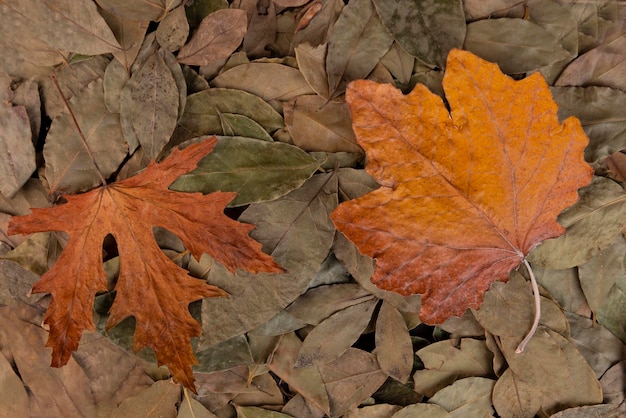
<point x="150" y="287"/>
<point x="466" y="194"/>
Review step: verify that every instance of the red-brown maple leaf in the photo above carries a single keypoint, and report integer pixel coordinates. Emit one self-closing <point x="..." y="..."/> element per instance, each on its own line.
<point x="466" y="193"/>
<point x="150" y="287"/>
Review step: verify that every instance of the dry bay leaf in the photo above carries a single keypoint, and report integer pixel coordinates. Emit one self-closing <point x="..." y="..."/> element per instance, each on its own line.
<point x="218" y="35"/>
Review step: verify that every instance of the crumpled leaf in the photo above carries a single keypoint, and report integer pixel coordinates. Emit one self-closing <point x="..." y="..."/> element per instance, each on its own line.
<point x="257" y="170"/>
<point x="218" y="35"/>
<point x="307" y="381"/>
<point x="129" y="210"/>
<point x="465" y="196"/>
<point x="552" y="365"/>
<point x="427" y="30"/>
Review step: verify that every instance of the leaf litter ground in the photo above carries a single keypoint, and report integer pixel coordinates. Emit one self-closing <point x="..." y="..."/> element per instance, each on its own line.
<point x="269" y="80"/>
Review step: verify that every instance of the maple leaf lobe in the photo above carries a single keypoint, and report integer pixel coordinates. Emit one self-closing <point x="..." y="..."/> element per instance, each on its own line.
<point x="467" y="193"/>
<point x="150" y="286"/>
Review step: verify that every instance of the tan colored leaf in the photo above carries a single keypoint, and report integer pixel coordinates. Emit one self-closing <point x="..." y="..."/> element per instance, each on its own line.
<point x="154" y="108"/>
<point x="335" y="335"/>
<point x="158" y="401"/>
<point x="72" y="26"/>
<point x="218" y="35"/>
<point x="268" y="80"/>
<point x="139" y="10"/>
<point x="351" y="379"/>
<point x="173" y="30"/>
<point x="17" y="152"/>
<point x="312" y="64"/>
<point x="444" y="364"/>
<point x="394" y="349"/>
<point x="513" y="397"/>
<point x="68" y="167"/>
<point x="129" y="33"/>
<point x="306" y="380"/>
<point x="318" y="125"/>
<point x="469" y="397"/>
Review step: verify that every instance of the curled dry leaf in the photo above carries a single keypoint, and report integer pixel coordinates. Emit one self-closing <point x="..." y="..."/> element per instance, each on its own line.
<point x="150" y="286"/>
<point x="467" y="194"/>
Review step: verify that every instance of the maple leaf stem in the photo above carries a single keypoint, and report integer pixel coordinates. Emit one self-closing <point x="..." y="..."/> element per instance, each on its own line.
<point x="80" y="132"/>
<point x="520" y="348"/>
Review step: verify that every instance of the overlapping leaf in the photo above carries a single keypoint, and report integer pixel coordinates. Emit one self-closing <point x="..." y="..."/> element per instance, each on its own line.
<point x="150" y="287"/>
<point x="465" y="195"/>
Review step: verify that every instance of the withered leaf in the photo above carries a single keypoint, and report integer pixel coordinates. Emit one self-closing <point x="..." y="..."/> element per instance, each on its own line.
<point x="218" y="35"/>
<point x="447" y="223"/>
<point x="150" y="287"/>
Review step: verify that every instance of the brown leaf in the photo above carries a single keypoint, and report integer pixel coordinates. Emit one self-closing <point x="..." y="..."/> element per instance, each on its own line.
<point x="151" y="287"/>
<point x="394" y="349"/>
<point x="218" y="35"/>
<point x="467" y="194"/>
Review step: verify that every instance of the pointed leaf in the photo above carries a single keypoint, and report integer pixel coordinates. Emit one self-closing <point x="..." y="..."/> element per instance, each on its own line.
<point x="442" y="198"/>
<point x="351" y="379"/>
<point x="129" y="33"/>
<point x="394" y="349"/>
<point x="154" y="107"/>
<point x="159" y="400"/>
<point x="333" y="336"/>
<point x="218" y="35"/>
<point x="201" y="116"/>
<point x="257" y="170"/>
<point x="469" y="397"/>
